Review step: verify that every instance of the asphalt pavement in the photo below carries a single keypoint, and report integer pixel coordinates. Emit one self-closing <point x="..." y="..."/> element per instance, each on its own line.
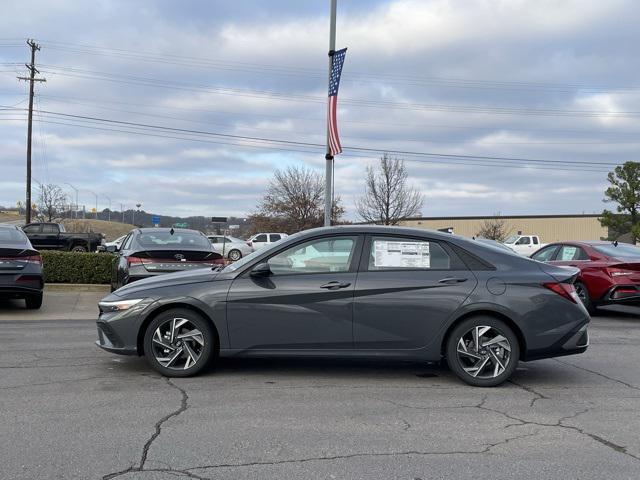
<point x="71" y="411"/>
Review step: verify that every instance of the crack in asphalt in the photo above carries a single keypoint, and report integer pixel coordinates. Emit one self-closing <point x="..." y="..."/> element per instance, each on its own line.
<point x="537" y="395"/>
<point x="184" y="404"/>
<point x="629" y="385"/>
<point x="486" y="449"/>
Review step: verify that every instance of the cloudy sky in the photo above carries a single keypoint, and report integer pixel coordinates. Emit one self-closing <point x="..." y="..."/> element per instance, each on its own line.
<point x="549" y="87"/>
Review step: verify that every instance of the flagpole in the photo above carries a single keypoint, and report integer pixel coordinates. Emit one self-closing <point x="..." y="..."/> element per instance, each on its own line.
<point x="328" y="188"/>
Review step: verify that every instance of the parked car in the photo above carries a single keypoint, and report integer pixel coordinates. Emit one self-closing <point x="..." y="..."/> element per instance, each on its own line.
<point x="260" y="240"/>
<point x="20" y="267"/>
<point x="115" y="243"/>
<point x="147" y="252"/>
<point x="355" y="291"/>
<point x="524" y="244"/>
<point x="609" y="272"/>
<point x="53" y="236"/>
<point x="231" y="247"/>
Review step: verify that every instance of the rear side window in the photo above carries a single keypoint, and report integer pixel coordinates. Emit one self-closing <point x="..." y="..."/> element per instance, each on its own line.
<point x="31" y="229"/>
<point x="213" y="239"/>
<point x="546" y="254"/>
<point x="12" y="236"/>
<point x="260" y="238"/>
<point x="49" y="228"/>
<point x="535" y="240"/>
<point x="571" y="252"/>
<point x="127" y="242"/>
<point x="397" y="253"/>
<point x="275" y="237"/>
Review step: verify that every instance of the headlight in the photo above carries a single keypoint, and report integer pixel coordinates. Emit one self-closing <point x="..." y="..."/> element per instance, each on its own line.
<point x="118" y="305"/>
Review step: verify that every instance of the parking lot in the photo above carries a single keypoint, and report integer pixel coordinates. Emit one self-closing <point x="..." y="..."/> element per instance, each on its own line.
<point x="62" y="397"/>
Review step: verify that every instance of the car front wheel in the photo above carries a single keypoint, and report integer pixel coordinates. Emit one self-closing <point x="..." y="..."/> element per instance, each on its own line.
<point x="483" y="351"/>
<point x="179" y="343"/>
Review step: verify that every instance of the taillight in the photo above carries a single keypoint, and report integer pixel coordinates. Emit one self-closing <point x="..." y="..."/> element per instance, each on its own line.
<point x="37" y="259"/>
<point x="617" y="272"/>
<point x="134" y="260"/>
<point x="565" y="290"/>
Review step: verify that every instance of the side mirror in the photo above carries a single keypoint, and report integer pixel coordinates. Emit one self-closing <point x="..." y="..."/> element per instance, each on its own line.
<point x="261" y="270"/>
<point x="112" y="249"/>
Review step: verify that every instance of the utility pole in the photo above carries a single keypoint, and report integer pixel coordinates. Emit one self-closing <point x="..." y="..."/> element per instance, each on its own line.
<point x="122" y="210"/>
<point x="328" y="188"/>
<point x="31" y="78"/>
<point x="109" y="205"/>
<point x="75" y="190"/>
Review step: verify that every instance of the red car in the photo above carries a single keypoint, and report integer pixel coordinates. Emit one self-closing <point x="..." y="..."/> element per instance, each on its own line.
<point x="609" y="272"/>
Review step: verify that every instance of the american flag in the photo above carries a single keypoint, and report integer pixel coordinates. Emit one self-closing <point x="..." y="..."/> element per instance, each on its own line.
<point x="337" y="60"/>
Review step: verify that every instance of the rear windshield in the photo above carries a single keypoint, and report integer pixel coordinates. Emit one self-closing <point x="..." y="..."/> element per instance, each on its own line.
<point x="621" y="251"/>
<point x="12" y="236"/>
<point x="178" y="239"/>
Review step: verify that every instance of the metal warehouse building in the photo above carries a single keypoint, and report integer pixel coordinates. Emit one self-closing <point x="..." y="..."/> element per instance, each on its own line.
<point x="550" y="228"/>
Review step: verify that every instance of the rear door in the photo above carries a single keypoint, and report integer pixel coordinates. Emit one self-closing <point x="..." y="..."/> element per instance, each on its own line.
<point x="306" y="302"/>
<point x="407" y="288"/>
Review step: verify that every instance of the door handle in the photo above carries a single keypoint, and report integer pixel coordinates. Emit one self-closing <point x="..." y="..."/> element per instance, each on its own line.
<point x="451" y="280"/>
<point x="335" y="285"/>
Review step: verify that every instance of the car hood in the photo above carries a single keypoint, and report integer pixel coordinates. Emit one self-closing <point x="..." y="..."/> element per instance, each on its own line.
<point x="170" y="279"/>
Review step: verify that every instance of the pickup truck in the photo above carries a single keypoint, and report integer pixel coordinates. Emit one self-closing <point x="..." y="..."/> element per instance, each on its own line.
<point x="524" y="244"/>
<point x="53" y="236"/>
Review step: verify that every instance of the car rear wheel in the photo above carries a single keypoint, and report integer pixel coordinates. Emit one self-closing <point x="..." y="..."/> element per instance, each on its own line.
<point x="482" y="351"/>
<point x="79" y="249"/>
<point x="33" y="302"/>
<point x="235" y="255"/>
<point x="179" y="343"/>
<point x="585" y="298"/>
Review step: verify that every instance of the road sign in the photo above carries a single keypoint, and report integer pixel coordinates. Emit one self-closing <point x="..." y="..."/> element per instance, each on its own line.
<point x="234" y="227"/>
<point x="218" y="219"/>
<point x="180" y="225"/>
<point x="155" y="219"/>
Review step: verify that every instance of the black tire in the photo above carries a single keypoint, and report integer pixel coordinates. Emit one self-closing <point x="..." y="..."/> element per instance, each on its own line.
<point x="206" y="354"/>
<point x="585" y="298"/>
<point x="34" y="301"/>
<point x="79" y="249"/>
<point x="235" y="255"/>
<point x="454" y="359"/>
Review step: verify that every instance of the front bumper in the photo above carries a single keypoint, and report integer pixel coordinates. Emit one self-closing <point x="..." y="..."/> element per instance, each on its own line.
<point x="118" y="330"/>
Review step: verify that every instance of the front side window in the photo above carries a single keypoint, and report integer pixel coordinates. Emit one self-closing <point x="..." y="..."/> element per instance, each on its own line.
<point x="316" y="256"/>
<point x="213" y="239"/>
<point x="546" y="254"/>
<point x="523" y="241"/>
<point x="391" y="253"/>
<point x="261" y="238"/>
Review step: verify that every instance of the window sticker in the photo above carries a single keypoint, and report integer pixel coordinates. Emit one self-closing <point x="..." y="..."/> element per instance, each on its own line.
<point x="401" y="254"/>
<point x="568" y="253"/>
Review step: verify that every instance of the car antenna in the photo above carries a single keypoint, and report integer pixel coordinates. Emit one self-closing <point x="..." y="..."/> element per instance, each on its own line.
<point x="172" y="231"/>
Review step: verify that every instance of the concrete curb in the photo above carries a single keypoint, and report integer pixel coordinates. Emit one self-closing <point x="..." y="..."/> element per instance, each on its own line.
<point x="75" y="287"/>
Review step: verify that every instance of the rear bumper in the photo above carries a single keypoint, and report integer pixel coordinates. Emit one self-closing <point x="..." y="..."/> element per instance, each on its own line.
<point x="574" y="342"/>
<point x="621" y="294"/>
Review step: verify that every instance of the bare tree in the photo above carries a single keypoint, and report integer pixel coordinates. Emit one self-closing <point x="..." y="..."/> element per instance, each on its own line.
<point x="294" y="201"/>
<point x="51" y="200"/>
<point x="387" y="198"/>
<point x="494" y="228"/>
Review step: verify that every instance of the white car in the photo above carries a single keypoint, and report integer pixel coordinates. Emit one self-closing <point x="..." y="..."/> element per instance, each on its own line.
<point x="115" y="243"/>
<point x="260" y="240"/>
<point x="234" y="248"/>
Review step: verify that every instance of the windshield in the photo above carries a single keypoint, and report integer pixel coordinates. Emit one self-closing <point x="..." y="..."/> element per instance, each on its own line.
<point x="512" y="239"/>
<point x="178" y="239"/>
<point x="621" y="251"/>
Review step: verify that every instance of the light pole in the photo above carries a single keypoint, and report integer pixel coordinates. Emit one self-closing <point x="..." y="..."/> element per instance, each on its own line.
<point x="108" y="198"/>
<point x="76" y="190"/>
<point x="95" y="195"/>
<point x="138" y="205"/>
<point x="122" y="210"/>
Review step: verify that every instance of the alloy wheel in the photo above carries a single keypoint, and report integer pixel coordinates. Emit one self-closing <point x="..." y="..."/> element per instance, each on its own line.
<point x="177" y="344"/>
<point x="235" y="255"/>
<point x="582" y="294"/>
<point x="483" y="352"/>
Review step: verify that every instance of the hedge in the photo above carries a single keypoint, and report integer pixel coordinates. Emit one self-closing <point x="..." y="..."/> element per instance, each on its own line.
<point x="71" y="267"/>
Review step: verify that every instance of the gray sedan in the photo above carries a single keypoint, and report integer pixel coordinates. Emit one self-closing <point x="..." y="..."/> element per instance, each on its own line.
<point x="357" y="291"/>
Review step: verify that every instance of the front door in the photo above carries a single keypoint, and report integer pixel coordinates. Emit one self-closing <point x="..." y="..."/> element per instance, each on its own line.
<point x="407" y="289"/>
<point x="304" y="303"/>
